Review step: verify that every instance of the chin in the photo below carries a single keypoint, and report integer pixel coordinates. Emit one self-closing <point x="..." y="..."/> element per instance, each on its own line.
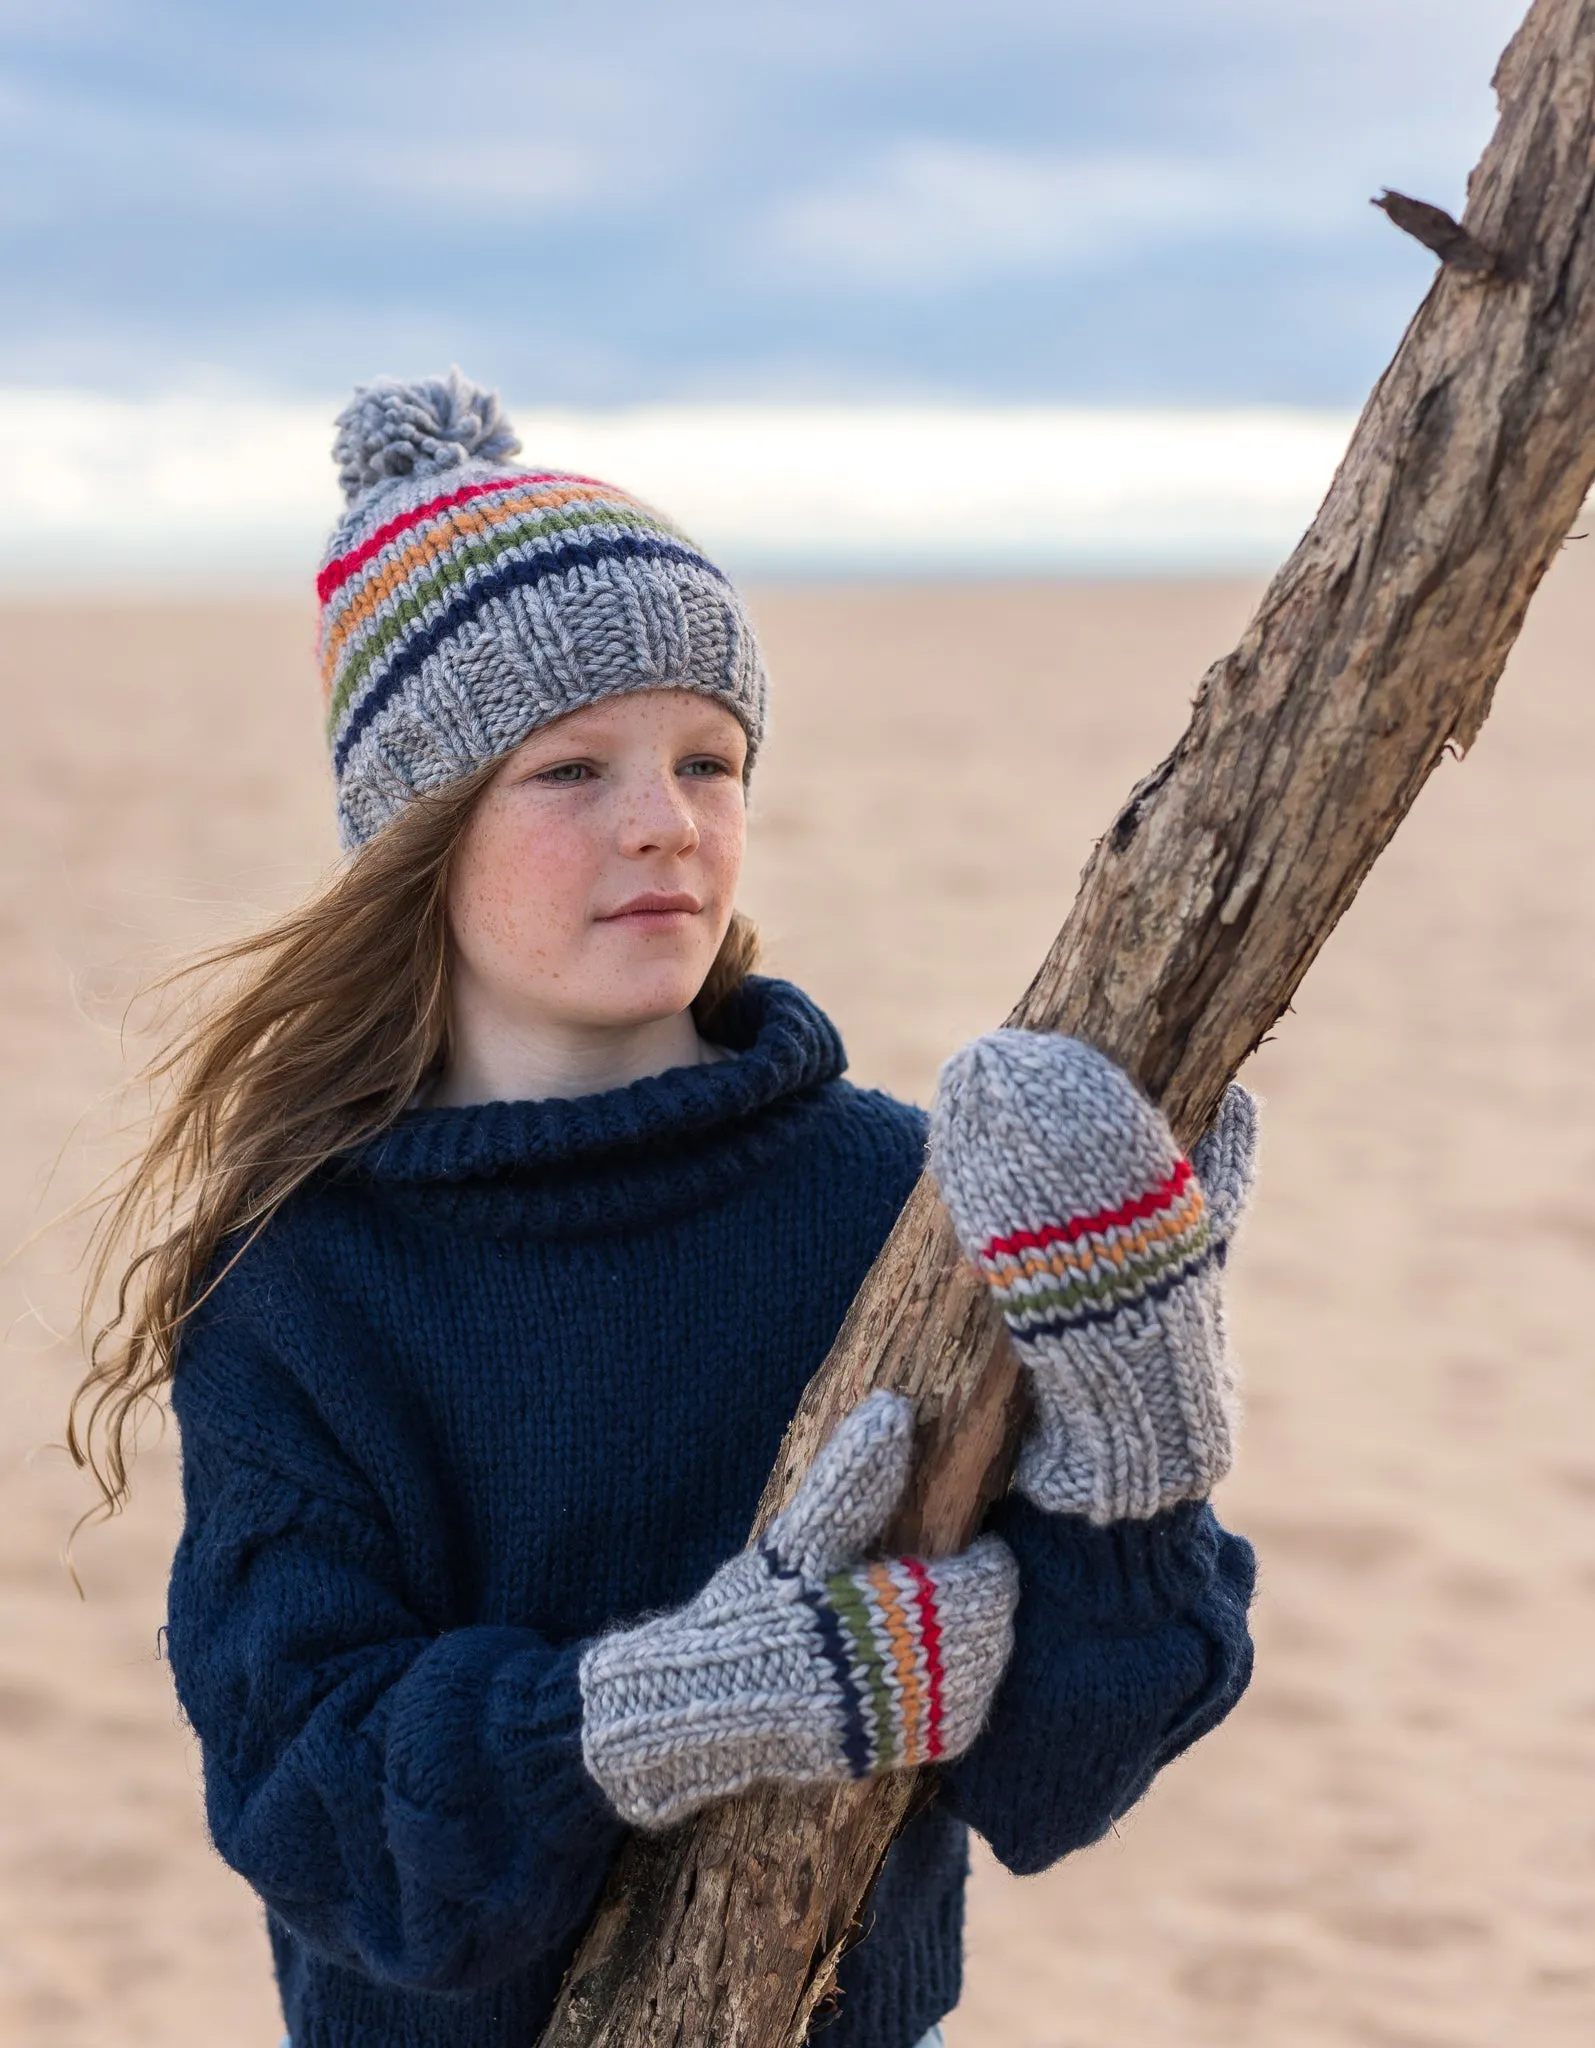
<point x="649" y="998"/>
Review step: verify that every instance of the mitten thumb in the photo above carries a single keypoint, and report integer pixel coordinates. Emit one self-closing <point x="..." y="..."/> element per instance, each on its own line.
<point x="850" y="1491"/>
<point x="1225" y="1158"/>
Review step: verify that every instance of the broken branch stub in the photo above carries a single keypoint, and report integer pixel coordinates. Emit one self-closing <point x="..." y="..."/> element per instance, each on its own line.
<point x="1377" y="644"/>
<point x="1437" y="231"/>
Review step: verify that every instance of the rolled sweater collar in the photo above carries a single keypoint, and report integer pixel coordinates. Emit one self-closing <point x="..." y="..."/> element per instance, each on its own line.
<point x="653" y="1148"/>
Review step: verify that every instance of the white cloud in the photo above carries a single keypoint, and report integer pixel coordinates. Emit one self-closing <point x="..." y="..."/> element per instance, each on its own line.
<point x="102" y="485"/>
<point x="198" y="488"/>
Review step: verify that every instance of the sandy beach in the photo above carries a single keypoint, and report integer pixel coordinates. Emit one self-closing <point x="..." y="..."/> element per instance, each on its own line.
<point x="1392" y="1842"/>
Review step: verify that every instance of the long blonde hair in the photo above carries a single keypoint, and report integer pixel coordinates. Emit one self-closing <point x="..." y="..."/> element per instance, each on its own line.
<point x="307" y="1037"/>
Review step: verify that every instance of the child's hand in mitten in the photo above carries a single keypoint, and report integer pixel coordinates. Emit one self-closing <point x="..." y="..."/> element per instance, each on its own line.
<point x="796" y="1660"/>
<point x="1105" y="1249"/>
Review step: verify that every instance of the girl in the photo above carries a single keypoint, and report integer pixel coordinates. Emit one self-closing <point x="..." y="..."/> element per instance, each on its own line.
<point x="497" y="1220"/>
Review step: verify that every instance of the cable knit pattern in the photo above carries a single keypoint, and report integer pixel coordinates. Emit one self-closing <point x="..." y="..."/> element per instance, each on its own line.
<point x="466" y="601"/>
<point x="1099" y="1242"/>
<point x="508" y="1381"/>
<point x="797" y="1662"/>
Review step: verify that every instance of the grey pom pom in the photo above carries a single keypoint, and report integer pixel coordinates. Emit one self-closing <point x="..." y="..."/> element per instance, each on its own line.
<point x="397" y="428"/>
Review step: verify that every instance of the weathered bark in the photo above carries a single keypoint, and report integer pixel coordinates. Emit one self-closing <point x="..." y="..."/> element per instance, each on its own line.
<point x="1377" y="644"/>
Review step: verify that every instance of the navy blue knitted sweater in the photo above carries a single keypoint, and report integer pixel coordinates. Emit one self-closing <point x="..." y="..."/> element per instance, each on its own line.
<point x="506" y="1376"/>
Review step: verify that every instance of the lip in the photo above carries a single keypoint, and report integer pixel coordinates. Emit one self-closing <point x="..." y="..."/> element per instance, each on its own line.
<point x="651" y="905"/>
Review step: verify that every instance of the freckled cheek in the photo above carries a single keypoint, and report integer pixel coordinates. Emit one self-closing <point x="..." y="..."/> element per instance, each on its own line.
<point x="722" y="835"/>
<point x="522" y="890"/>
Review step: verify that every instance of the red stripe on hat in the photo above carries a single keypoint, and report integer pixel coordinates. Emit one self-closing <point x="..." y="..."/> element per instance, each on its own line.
<point x="930" y="1632"/>
<point x="338" y="572"/>
<point x="1163" y="1196"/>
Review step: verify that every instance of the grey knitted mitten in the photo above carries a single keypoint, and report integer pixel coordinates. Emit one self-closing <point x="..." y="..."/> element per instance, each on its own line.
<point x="797" y="1661"/>
<point x="1105" y="1249"/>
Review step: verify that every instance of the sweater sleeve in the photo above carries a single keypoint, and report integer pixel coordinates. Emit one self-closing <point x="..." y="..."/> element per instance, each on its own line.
<point x="413" y="1803"/>
<point x="1130" y="1643"/>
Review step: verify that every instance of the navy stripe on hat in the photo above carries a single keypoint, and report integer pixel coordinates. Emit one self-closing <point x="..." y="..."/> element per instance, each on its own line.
<point x="540" y="568"/>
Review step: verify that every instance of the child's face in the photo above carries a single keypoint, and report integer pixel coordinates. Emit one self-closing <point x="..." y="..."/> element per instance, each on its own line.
<point x="597" y="873"/>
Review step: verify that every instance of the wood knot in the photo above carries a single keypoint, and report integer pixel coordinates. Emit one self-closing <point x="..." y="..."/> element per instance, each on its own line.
<point x="1127" y="823"/>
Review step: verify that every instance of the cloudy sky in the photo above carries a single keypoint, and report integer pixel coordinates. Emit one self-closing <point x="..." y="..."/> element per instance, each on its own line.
<point x="1048" y="201"/>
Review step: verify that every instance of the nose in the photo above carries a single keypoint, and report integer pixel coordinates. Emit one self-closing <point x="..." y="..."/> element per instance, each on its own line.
<point x="657" y="818"/>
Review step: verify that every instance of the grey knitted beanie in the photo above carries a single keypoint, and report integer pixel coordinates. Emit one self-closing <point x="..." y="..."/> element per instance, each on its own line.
<point x="467" y="600"/>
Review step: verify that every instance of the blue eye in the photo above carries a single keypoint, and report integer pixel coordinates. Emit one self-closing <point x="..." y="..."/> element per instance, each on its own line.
<point x="565" y="772"/>
<point x="705" y="765"/>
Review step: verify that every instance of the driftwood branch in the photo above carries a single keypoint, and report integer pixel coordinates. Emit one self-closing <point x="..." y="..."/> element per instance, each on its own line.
<point x="1377" y="644"/>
